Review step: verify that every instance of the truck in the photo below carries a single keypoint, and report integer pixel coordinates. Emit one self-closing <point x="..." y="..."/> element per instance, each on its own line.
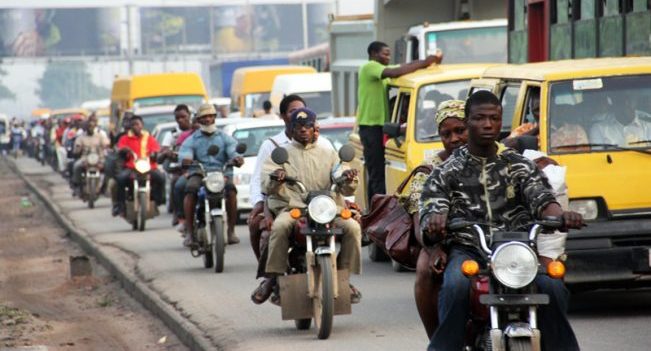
<point x="461" y="28"/>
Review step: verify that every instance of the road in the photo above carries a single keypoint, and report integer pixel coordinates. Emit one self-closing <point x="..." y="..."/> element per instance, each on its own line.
<point x="220" y="306"/>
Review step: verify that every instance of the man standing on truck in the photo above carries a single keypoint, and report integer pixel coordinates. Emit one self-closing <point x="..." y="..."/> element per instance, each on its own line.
<point x="373" y="108"/>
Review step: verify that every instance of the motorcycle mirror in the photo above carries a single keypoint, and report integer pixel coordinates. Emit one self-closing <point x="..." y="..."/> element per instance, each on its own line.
<point x="347" y="153"/>
<point x="279" y="155"/>
<point x="213" y="150"/>
<point x="240" y="148"/>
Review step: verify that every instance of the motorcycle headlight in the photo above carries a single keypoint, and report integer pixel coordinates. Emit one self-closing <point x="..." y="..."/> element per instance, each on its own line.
<point x="143" y="166"/>
<point x="322" y="209"/>
<point x="92" y="159"/>
<point x="215" y="182"/>
<point x="587" y="208"/>
<point x="515" y="265"/>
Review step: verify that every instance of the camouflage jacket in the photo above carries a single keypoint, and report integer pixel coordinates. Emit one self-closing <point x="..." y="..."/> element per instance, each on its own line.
<point x="506" y="190"/>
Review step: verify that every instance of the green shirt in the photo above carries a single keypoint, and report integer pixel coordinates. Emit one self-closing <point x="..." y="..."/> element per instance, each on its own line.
<point x="373" y="107"/>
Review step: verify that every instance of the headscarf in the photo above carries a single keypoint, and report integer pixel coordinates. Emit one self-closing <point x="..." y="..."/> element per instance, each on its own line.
<point x="450" y="108"/>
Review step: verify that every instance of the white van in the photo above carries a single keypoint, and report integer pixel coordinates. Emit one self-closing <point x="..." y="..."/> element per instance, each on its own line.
<point x="314" y="88"/>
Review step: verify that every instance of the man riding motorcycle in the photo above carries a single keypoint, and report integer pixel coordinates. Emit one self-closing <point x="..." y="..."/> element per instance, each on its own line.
<point x="93" y="140"/>
<point x="317" y="167"/>
<point x="195" y="148"/>
<point x="138" y="141"/>
<point x="482" y="182"/>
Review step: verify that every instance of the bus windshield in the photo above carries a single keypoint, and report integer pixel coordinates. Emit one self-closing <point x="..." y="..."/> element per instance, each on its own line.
<point x="471" y="45"/>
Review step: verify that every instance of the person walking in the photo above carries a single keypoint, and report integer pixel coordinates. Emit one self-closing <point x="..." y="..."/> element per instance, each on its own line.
<point x="373" y="107"/>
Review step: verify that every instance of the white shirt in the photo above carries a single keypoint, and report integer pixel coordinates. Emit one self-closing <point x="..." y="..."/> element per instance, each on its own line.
<point x="170" y="138"/>
<point x="264" y="153"/>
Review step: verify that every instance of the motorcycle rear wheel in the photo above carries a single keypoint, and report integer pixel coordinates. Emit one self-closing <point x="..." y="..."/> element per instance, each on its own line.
<point x="218" y="242"/>
<point x="142" y="211"/>
<point x="324" y="302"/>
<point x="519" y="344"/>
<point x="303" y="324"/>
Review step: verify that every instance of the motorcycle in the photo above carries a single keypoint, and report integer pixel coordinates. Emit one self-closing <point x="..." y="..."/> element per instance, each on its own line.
<point x="209" y="214"/>
<point x="140" y="207"/>
<point x="503" y="296"/>
<point x="39" y="149"/>
<point x="313" y="287"/>
<point x="92" y="180"/>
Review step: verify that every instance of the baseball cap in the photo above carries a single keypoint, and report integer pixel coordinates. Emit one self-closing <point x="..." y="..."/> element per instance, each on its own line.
<point x="303" y="116"/>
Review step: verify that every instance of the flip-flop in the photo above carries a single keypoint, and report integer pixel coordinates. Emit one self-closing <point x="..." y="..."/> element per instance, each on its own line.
<point x="355" y="295"/>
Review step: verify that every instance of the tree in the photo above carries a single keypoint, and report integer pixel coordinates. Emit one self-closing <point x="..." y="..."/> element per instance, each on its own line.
<point x="68" y="84"/>
<point x="5" y="93"/>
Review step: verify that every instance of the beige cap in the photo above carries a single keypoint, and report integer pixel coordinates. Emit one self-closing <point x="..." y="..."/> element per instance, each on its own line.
<point x="205" y="110"/>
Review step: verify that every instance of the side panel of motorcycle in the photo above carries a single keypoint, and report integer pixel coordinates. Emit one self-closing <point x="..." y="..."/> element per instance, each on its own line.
<point x="295" y="303"/>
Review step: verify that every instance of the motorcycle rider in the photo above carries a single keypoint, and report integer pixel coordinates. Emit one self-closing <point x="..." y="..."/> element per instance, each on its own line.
<point x="92" y="140"/>
<point x="483" y="182"/>
<point x="195" y="147"/>
<point x="316" y="166"/>
<point x="138" y="141"/>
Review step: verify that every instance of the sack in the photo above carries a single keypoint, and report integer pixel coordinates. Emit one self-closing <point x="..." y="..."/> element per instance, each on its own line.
<point x="390" y="227"/>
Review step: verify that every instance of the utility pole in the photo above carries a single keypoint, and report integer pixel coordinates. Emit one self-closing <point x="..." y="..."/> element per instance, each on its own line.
<point x="129" y="41"/>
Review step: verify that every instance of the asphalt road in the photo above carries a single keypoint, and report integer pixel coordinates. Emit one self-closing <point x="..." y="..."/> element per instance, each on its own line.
<point x="386" y="319"/>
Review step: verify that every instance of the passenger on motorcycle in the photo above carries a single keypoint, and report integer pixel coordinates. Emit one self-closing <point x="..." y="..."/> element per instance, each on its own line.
<point x="195" y="148"/>
<point x="316" y="166"/>
<point x="92" y="140"/>
<point x="483" y="182"/>
<point x="138" y="141"/>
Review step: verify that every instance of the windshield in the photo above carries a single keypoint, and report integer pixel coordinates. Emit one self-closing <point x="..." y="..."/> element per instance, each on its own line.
<point x="337" y="136"/>
<point x="429" y="97"/>
<point x="3" y="128"/>
<point x="600" y="114"/>
<point x="253" y="137"/>
<point x="318" y="102"/>
<point x="253" y="103"/>
<point x="470" y="45"/>
<point x="190" y="100"/>
<point x="153" y="119"/>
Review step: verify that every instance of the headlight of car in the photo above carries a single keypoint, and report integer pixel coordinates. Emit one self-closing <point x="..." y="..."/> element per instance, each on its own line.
<point x="322" y="209"/>
<point x="587" y="208"/>
<point x="241" y="178"/>
<point x="92" y="159"/>
<point x="515" y="265"/>
<point x="215" y="182"/>
<point x="143" y="166"/>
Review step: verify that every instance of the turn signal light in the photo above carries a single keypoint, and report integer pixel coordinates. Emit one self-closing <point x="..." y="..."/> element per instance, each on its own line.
<point x="470" y="268"/>
<point x="295" y="213"/>
<point x="346" y="213"/>
<point x="556" y="269"/>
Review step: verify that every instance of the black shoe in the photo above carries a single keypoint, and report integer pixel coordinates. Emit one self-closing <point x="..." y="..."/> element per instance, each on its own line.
<point x="117" y="210"/>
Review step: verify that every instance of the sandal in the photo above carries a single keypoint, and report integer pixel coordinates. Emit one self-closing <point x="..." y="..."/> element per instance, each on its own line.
<point x="355" y="295"/>
<point x="263" y="291"/>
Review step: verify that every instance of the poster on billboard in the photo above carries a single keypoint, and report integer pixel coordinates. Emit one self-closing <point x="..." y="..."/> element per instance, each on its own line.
<point x="175" y="30"/>
<point x="29" y="32"/>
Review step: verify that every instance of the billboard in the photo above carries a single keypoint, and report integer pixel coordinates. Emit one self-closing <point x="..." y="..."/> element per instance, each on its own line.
<point x="29" y="32"/>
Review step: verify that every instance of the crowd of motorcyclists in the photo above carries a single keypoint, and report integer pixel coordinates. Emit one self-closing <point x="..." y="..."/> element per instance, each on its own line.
<point x="474" y="178"/>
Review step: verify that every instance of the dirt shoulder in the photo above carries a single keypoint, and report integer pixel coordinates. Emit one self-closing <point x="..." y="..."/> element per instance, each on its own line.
<point x="40" y="304"/>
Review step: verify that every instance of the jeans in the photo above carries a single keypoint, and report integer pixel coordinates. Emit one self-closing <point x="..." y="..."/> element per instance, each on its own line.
<point x="454" y="308"/>
<point x="373" y="141"/>
<point x="178" y="195"/>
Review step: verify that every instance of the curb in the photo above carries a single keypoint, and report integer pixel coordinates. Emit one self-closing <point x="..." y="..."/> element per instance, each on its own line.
<point x="189" y="334"/>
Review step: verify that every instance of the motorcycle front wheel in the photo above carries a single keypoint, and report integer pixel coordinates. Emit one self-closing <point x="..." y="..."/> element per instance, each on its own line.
<point x="324" y="302"/>
<point x="519" y="344"/>
<point x="218" y="242"/>
<point x="91" y="192"/>
<point x="143" y="199"/>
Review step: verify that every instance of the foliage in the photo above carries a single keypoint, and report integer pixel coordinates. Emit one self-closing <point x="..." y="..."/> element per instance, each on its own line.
<point x="68" y="84"/>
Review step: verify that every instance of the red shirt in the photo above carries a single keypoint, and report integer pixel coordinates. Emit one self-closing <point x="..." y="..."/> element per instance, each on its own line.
<point x="143" y="146"/>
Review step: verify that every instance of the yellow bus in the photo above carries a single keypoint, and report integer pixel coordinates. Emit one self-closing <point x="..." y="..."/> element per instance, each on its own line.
<point x="251" y="86"/>
<point x="153" y="90"/>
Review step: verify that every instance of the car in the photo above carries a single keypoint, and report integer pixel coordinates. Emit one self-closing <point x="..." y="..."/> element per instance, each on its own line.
<point x="582" y="102"/>
<point x="153" y="115"/>
<point x="251" y="132"/>
<point x="161" y="130"/>
<point x="337" y="130"/>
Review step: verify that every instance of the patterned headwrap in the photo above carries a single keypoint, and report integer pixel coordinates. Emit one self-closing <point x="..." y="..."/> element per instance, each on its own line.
<point x="450" y="108"/>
